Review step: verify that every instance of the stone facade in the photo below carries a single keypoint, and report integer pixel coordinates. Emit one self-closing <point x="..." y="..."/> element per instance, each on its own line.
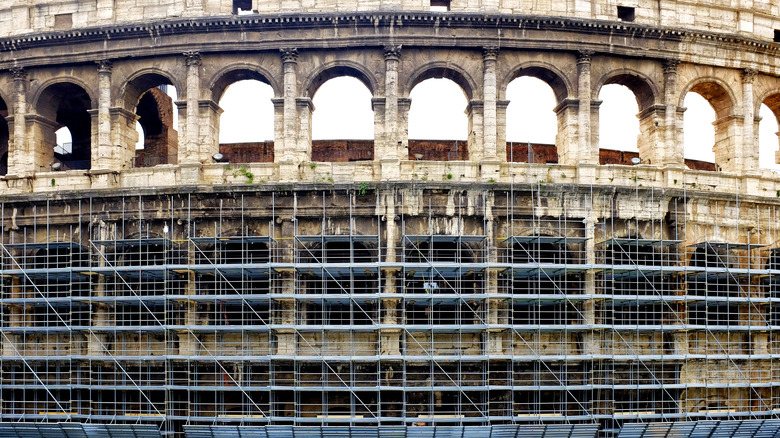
<point x="660" y="67"/>
<point x="754" y="18"/>
<point x="391" y="281"/>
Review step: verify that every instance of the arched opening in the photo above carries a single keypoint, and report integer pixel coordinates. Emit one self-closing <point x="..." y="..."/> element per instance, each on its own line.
<point x="534" y="134"/>
<point x="246" y="125"/>
<point x="4" y="137"/>
<point x="342" y="121"/>
<point x="531" y="123"/>
<point x="152" y="97"/>
<point x="768" y="132"/>
<point x="65" y="105"/>
<point x="708" y="144"/>
<point x="618" y="125"/>
<point x="438" y="121"/>
<point x="629" y="124"/>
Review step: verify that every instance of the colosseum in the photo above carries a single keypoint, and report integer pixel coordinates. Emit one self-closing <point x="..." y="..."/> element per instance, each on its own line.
<point x="393" y="287"/>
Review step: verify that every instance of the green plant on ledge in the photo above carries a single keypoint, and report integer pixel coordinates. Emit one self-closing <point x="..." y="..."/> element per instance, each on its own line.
<point x="363" y="189"/>
<point x="243" y="171"/>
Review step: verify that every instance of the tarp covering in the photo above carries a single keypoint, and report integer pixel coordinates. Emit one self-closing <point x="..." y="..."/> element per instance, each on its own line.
<point x="502" y="431"/>
<point x="78" y="430"/>
<point x="703" y="429"/>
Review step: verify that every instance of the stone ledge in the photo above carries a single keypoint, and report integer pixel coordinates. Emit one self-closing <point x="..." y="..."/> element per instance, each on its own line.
<point x="215" y="177"/>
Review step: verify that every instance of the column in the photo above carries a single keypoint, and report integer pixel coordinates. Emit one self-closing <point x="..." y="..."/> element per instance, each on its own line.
<point x="749" y="150"/>
<point x="391" y="146"/>
<point x="673" y="139"/>
<point x="585" y="154"/>
<point x="19" y="157"/>
<point x="103" y="155"/>
<point x="285" y="150"/>
<point x="489" y="127"/>
<point x="191" y="148"/>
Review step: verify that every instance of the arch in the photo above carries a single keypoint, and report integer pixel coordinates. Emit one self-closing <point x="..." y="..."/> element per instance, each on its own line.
<point x="157" y="114"/>
<point x="440" y="122"/>
<point x="343" y="121"/>
<point x="644" y="89"/>
<point x="39" y="93"/>
<point x="545" y="72"/>
<point x="236" y="72"/>
<point x="339" y="68"/>
<point x="715" y="91"/>
<point x="142" y="80"/>
<point x="443" y="70"/>
<point x="722" y="101"/>
<point x="772" y="100"/>
<point x="60" y="103"/>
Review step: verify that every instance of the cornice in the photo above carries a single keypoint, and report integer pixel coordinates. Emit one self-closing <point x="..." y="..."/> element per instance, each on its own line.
<point x="371" y="19"/>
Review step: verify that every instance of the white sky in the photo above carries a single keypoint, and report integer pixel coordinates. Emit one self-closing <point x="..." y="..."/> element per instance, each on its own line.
<point x="343" y="111"/>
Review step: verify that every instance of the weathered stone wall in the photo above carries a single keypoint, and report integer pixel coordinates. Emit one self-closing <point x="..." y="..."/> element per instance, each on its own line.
<point x="754" y="18"/>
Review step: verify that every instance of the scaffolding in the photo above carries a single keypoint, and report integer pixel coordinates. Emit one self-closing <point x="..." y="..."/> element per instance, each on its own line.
<point x="410" y="306"/>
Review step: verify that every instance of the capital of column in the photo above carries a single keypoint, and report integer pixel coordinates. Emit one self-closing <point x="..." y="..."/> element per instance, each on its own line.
<point x="104" y="65"/>
<point x="584" y="56"/>
<point x="289" y="54"/>
<point x="192" y="58"/>
<point x="18" y="73"/>
<point x="749" y="75"/>
<point x="670" y="65"/>
<point x="392" y="52"/>
<point x="490" y="53"/>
